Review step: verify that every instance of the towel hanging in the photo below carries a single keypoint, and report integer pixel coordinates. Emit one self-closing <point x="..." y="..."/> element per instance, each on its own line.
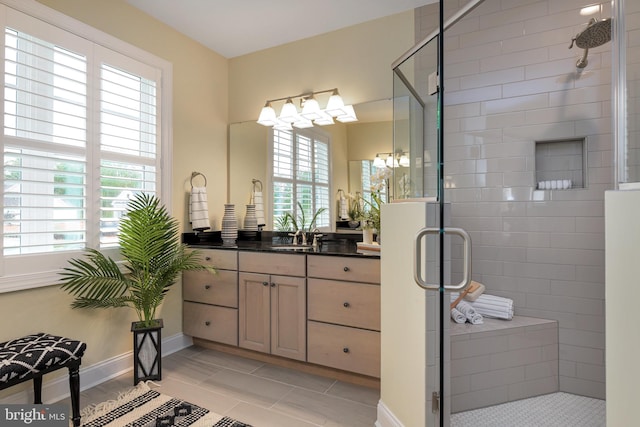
<point x="256" y="199"/>
<point x="198" y="206"/>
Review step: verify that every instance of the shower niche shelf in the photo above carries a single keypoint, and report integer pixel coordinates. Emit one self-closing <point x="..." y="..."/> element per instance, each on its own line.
<point x="560" y="164"/>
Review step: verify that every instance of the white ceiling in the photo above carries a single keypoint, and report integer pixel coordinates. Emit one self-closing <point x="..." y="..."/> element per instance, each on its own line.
<point x="237" y="27"/>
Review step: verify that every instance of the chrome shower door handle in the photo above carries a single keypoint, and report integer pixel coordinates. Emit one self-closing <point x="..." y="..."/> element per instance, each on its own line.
<point x="466" y="265"/>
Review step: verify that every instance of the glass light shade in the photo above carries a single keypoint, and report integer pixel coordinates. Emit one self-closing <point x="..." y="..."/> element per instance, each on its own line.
<point x="378" y="162"/>
<point x="303" y="123"/>
<point x="391" y="162"/>
<point x="350" y="116"/>
<point x="311" y="109"/>
<point x="289" y="112"/>
<point x="267" y="116"/>
<point x="282" y="125"/>
<point x="325" y="119"/>
<point x="404" y="161"/>
<point x="335" y="105"/>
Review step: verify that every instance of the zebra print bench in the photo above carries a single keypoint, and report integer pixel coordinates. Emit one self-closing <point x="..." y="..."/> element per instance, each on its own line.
<point x="32" y="356"/>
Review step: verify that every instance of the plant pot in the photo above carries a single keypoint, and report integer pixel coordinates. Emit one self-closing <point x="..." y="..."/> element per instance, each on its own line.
<point x="147" y="351"/>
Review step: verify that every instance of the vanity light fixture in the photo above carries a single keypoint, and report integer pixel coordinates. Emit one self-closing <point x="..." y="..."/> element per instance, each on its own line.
<point x="391" y="160"/>
<point x="311" y="112"/>
<point x="378" y="162"/>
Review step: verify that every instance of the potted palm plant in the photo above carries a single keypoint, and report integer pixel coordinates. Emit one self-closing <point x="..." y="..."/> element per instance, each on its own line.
<point x="154" y="257"/>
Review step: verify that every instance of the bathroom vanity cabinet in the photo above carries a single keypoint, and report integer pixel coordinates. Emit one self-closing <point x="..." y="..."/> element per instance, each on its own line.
<point x="211" y="299"/>
<point x="320" y="310"/>
<point x="272" y="307"/>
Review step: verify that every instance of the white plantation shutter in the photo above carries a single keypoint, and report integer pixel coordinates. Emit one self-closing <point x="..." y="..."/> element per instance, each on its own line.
<point x="81" y="135"/>
<point x="300" y="175"/>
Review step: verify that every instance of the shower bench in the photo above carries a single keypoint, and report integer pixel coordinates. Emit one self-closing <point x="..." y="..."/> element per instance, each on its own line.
<point x="502" y="360"/>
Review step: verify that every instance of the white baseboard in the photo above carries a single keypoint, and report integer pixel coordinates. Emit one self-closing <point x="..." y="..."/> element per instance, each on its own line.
<point x="386" y="417"/>
<point x="90" y="376"/>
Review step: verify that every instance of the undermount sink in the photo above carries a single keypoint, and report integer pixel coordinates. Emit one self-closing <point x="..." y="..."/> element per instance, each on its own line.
<point x="291" y="247"/>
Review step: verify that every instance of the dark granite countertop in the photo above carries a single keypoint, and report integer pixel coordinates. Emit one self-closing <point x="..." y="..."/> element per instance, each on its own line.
<point x="339" y="244"/>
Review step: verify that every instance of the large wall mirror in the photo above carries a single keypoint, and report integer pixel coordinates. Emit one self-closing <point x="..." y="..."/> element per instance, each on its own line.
<point x="350" y="144"/>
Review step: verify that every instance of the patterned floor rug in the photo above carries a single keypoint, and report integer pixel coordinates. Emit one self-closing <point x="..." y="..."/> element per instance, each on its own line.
<point x="144" y="407"/>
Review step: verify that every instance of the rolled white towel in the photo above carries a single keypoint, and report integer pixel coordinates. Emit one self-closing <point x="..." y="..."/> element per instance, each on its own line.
<point x="472" y="315"/>
<point x="457" y="316"/>
<point x="492" y="306"/>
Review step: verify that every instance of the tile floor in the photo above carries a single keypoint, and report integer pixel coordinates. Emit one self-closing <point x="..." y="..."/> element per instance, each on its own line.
<point x="265" y="395"/>
<point x="254" y="392"/>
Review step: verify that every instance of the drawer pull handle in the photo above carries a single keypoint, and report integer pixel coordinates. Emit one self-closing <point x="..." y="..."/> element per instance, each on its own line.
<point x="207" y="286"/>
<point x="346" y="269"/>
<point x="345" y="350"/>
<point x="273" y="285"/>
<point x="265" y="283"/>
<point x="208" y="258"/>
<point x="207" y="323"/>
<point x="346" y="305"/>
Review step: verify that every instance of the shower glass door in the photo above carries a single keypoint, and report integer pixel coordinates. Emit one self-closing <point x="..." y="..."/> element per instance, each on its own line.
<point x="520" y="155"/>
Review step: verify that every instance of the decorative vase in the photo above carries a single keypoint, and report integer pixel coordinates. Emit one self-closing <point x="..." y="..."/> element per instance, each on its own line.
<point x="229" y="225"/>
<point x="147" y="351"/>
<point x="250" y="219"/>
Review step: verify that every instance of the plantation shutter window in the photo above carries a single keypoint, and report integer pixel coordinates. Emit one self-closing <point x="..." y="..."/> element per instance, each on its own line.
<point x="300" y="169"/>
<point x="81" y="134"/>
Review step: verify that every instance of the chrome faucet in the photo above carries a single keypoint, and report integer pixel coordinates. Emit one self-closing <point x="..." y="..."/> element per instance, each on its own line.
<point x="295" y="238"/>
<point x="304" y="238"/>
<point x="316" y="234"/>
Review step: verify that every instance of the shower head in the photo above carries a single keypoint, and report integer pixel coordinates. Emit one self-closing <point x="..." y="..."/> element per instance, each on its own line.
<point x="596" y="34"/>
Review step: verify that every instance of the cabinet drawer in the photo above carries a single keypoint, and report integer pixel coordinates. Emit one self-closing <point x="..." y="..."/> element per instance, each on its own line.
<point x="344" y="303"/>
<point x="344" y="268"/>
<point x="206" y="287"/>
<point x="210" y="322"/>
<point x="341" y="347"/>
<point x="270" y="263"/>
<point x="219" y="258"/>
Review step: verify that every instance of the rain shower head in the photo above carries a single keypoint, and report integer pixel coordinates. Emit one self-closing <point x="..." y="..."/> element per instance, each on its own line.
<point x="596" y="34"/>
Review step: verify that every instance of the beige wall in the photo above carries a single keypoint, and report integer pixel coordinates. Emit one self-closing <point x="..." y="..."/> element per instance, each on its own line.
<point x="199" y="134"/>
<point x="357" y="60"/>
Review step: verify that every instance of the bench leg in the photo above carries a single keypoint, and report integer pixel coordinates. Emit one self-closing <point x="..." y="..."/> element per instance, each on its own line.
<point x="37" y="389"/>
<point x="74" y="387"/>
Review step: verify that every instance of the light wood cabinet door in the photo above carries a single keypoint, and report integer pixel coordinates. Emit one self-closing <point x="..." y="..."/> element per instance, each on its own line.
<point x="344" y="303"/>
<point x="272" y="263"/>
<point x="272" y="314"/>
<point x="254" y="312"/>
<point x="203" y="286"/>
<point x="344" y="268"/>
<point x="342" y="347"/>
<point x="288" y="317"/>
<point x="210" y="322"/>
<point x="219" y="258"/>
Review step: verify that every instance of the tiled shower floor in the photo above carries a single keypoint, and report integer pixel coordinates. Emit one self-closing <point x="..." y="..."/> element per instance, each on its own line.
<point x="551" y="410"/>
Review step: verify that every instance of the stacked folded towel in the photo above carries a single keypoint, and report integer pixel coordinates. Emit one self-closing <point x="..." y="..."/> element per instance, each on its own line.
<point x="198" y="209"/>
<point x="491" y="306"/>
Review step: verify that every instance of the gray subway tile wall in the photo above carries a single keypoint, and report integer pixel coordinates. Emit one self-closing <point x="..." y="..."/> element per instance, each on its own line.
<point x="511" y="81"/>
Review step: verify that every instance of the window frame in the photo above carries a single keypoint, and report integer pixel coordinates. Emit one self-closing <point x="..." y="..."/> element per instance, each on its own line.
<point x="49" y="276"/>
